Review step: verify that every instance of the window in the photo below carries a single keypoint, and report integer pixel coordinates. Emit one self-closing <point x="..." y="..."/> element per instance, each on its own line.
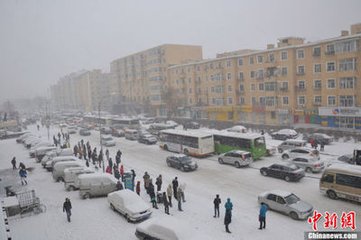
<point x="331" y="101"/>
<point x="317" y="68"/>
<point x="347" y="82"/>
<point x="285" y="100"/>
<point x="251" y="60"/>
<point x="230" y="100"/>
<point x="317" y="84"/>
<point x="241" y="77"/>
<point x="272" y="197"/>
<point x="317" y="99"/>
<point x="240" y="61"/>
<point x="346" y="46"/>
<point x="252" y="74"/>
<point x="241" y="100"/>
<point x="270" y="86"/>
<point x="327" y="178"/>
<point x="253" y="87"/>
<point x="331" y="67"/>
<point x="316" y="51"/>
<point x="301" y="100"/>
<point x="190" y="90"/>
<point x="330" y="49"/>
<point x="270" y="101"/>
<point x="241" y="87"/>
<point x="229" y="63"/>
<point x="259" y="59"/>
<point x="348" y="180"/>
<point x="300" y="54"/>
<point x="284" y="86"/>
<point x="301" y="84"/>
<point x="259" y="74"/>
<point x="331" y="83"/>
<point x="262" y="101"/>
<point x="229" y="76"/>
<point x="261" y="87"/>
<point x="300" y="70"/>
<point x="254" y="101"/>
<point x="284" y="71"/>
<point x="271" y="57"/>
<point x="347" y="64"/>
<point x="229" y="88"/>
<point x="284" y="55"/>
<point x="346" y="101"/>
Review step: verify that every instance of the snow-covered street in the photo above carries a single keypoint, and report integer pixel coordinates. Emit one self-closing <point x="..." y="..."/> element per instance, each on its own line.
<point x="93" y="219"/>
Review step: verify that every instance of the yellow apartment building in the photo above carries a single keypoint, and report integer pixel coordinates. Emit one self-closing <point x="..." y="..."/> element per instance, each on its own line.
<point x="293" y="82"/>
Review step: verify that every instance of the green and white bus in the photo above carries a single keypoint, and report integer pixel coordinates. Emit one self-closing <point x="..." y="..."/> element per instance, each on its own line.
<point x="192" y="142"/>
<point x="227" y="141"/>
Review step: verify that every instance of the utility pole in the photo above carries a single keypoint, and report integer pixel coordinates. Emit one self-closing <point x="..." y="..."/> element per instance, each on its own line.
<point x="100" y="135"/>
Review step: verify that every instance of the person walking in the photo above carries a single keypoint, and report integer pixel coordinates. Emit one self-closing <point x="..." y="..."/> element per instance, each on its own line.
<point x="22" y="165"/>
<point x="152" y="195"/>
<point x="217" y="201"/>
<point x="146" y="179"/>
<point x="67" y="208"/>
<point x="116" y="172"/>
<point x="183" y="188"/>
<point x="175" y="187"/>
<point x="169" y="194"/>
<point x="158" y="182"/>
<point x="166" y="203"/>
<point x="322" y="148"/>
<point x="262" y="216"/>
<point x="179" y="199"/>
<point x="121" y="171"/>
<point x="23" y="174"/>
<point x="110" y="163"/>
<point x="133" y="179"/>
<point x="228" y="216"/>
<point x="137" y="188"/>
<point x="107" y="154"/>
<point x="13" y="162"/>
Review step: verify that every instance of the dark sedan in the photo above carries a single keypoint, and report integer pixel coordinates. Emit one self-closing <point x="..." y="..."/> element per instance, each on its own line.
<point x="288" y="171"/>
<point x="182" y="162"/>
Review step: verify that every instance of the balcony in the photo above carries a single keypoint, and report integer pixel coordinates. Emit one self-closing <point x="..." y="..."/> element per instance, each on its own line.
<point x="329" y="53"/>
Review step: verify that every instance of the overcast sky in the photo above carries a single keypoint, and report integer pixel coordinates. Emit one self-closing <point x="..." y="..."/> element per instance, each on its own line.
<point x="42" y="40"/>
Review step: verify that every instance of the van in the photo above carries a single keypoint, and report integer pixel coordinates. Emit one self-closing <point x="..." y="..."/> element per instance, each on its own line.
<point x="131" y="134"/>
<point x="56" y="153"/>
<point x="96" y="184"/>
<point x="41" y="151"/>
<point x="342" y="181"/>
<point x="70" y="175"/>
<point x="59" y="167"/>
<point x="291" y="143"/>
<point x="50" y="164"/>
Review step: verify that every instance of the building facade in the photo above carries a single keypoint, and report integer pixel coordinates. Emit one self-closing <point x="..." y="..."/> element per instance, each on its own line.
<point x="292" y="83"/>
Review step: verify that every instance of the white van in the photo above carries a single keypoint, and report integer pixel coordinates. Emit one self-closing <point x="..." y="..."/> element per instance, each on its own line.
<point x="70" y="175"/>
<point x="50" y="164"/>
<point x="41" y="151"/>
<point x="56" y="153"/>
<point x="342" y="181"/>
<point x="96" y="184"/>
<point x="131" y="134"/>
<point x="290" y="144"/>
<point x="59" y="167"/>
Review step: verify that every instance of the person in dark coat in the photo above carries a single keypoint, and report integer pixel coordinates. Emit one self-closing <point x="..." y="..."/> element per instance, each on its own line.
<point x="166" y="203"/>
<point x="146" y="179"/>
<point x="158" y="182"/>
<point x="217" y="201"/>
<point x="262" y="216"/>
<point x="119" y="185"/>
<point x="116" y="172"/>
<point x="67" y="208"/>
<point x="137" y="188"/>
<point x="23" y="174"/>
<point x="75" y="150"/>
<point x="228" y="216"/>
<point x="110" y="162"/>
<point x="151" y="193"/>
<point x="22" y="165"/>
<point x="13" y="162"/>
<point x="175" y="187"/>
<point x="133" y="178"/>
<point x="179" y="198"/>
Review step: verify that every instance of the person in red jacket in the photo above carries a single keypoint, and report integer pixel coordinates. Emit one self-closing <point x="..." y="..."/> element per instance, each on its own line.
<point x="121" y="171"/>
<point x="137" y="189"/>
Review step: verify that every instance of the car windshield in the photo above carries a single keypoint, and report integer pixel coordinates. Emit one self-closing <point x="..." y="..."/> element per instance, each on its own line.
<point x="185" y="159"/>
<point x="291" y="199"/>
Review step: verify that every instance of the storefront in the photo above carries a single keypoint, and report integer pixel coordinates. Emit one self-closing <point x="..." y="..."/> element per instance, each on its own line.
<point x="341" y="117"/>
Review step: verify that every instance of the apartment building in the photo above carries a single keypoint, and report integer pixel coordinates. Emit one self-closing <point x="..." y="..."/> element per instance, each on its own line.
<point x="293" y="82"/>
<point x="139" y="78"/>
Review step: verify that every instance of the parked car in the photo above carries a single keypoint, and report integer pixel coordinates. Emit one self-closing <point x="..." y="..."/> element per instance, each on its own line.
<point x="301" y="152"/>
<point x="37" y="146"/>
<point x="84" y="132"/>
<point x="41" y="151"/>
<point x="130" y="205"/>
<point x="55" y="153"/>
<point x="284" y="134"/>
<point x="59" y="167"/>
<point x="287" y="203"/>
<point x="191" y="125"/>
<point x="70" y="174"/>
<point x="107" y="141"/>
<point x="237" y="128"/>
<point x="72" y="129"/>
<point x="286" y="171"/>
<point x="310" y="164"/>
<point x="182" y="162"/>
<point x="290" y="144"/>
<point x="237" y="158"/>
<point x="50" y="164"/>
<point x="106" y="130"/>
<point x="166" y="228"/>
<point x="320" y="138"/>
<point x="96" y="184"/>
<point x="118" y="132"/>
<point x="147" y="139"/>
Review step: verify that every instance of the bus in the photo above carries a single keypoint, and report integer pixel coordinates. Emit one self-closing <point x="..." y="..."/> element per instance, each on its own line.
<point x="253" y="143"/>
<point x="119" y="122"/>
<point x="191" y="142"/>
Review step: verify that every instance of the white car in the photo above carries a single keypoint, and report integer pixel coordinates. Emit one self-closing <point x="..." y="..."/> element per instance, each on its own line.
<point x="301" y="152"/>
<point x="107" y="141"/>
<point x="309" y="163"/>
<point x="130" y="205"/>
<point x="237" y="158"/>
<point x="237" y="128"/>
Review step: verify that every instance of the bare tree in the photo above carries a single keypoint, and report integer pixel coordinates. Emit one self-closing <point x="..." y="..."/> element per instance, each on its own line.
<point x="172" y="101"/>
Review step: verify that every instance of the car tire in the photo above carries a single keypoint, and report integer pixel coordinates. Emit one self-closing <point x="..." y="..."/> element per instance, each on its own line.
<point x="308" y="169"/>
<point x="280" y="150"/>
<point x="185" y="151"/>
<point x="86" y="196"/>
<point x="237" y="165"/>
<point x="220" y="160"/>
<point x="71" y="188"/>
<point x="285" y="156"/>
<point x="331" y="194"/>
<point x="126" y="217"/>
<point x="112" y="207"/>
<point x="264" y="173"/>
<point x="287" y="178"/>
<point x="165" y="147"/>
<point x="294" y="215"/>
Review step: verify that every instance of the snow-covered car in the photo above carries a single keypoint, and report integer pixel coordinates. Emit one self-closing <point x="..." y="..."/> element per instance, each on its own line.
<point x="284" y="134"/>
<point x="106" y="130"/>
<point x="286" y="171"/>
<point x="191" y="125"/>
<point x="107" y="141"/>
<point x="237" y="158"/>
<point x="290" y="144"/>
<point x="95" y="184"/>
<point x="166" y="228"/>
<point x="309" y="163"/>
<point x="50" y="164"/>
<point x="59" y="167"/>
<point x="55" y="153"/>
<point x="130" y="205"/>
<point x="344" y="159"/>
<point x="29" y="142"/>
<point x="182" y="162"/>
<point x="118" y="132"/>
<point x="72" y="129"/>
<point x="37" y="146"/>
<point x="23" y="137"/>
<point x="301" y="152"/>
<point x="84" y="132"/>
<point x="287" y="203"/>
<point x="237" y="128"/>
<point x="41" y="151"/>
<point x="320" y="138"/>
<point x="147" y="139"/>
<point x="70" y="174"/>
